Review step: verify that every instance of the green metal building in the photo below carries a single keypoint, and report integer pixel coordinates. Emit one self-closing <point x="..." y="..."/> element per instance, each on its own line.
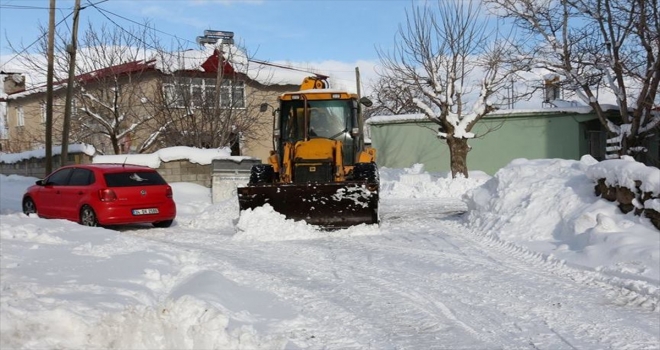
<point x="502" y="136"/>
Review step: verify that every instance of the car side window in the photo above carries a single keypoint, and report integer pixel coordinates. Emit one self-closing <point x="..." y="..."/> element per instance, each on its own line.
<point x="81" y="177"/>
<point x="59" y="178"/>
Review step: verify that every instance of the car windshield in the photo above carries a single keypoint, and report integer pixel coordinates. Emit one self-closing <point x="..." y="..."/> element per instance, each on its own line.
<point x="134" y="178"/>
<point x="329" y="119"/>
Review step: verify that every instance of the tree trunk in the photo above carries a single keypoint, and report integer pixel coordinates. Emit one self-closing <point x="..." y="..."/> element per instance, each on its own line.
<point x="115" y="144"/>
<point x="458" y="150"/>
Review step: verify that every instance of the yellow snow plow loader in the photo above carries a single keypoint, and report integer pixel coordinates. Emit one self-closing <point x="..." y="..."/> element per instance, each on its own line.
<point x="319" y="170"/>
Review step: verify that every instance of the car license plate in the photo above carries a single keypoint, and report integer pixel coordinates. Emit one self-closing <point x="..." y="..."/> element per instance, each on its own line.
<point x="145" y="211"/>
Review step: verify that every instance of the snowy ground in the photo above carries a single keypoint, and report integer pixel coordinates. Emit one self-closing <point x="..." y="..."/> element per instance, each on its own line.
<point x="537" y="262"/>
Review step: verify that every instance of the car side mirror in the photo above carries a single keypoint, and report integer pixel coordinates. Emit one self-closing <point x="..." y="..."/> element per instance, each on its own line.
<point x="366" y="101"/>
<point x="40" y="182"/>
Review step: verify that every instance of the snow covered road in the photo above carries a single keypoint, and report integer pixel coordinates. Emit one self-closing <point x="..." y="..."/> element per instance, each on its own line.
<point x="423" y="279"/>
<point x="423" y="282"/>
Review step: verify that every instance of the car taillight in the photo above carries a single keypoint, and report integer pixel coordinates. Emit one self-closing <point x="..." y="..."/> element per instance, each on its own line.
<point x="168" y="192"/>
<point x="107" y="195"/>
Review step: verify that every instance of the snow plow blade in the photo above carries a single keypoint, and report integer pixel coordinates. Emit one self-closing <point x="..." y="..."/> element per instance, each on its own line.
<point x="331" y="206"/>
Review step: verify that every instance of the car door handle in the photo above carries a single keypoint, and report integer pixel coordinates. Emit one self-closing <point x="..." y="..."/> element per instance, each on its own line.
<point x="80" y="193"/>
<point x="57" y="192"/>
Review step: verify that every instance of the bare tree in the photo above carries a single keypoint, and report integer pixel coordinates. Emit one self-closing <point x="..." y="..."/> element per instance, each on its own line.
<point x="111" y="71"/>
<point x="209" y="109"/>
<point x="392" y="97"/>
<point x="110" y="94"/>
<point x="586" y="41"/>
<point x="438" y="51"/>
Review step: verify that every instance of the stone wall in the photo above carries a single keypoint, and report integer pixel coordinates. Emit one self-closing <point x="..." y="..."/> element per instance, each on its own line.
<point x="629" y="200"/>
<point x="174" y="171"/>
<point x="185" y="171"/>
<point x="36" y="167"/>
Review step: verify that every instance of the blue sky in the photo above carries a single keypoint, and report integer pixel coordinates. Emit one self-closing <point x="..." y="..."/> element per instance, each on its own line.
<point x="272" y="30"/>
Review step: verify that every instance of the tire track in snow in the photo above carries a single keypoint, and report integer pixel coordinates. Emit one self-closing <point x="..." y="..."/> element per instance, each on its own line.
<point x="623" y="291"/>
<point x="392" y="291"/>
<point x="522" y="263"/>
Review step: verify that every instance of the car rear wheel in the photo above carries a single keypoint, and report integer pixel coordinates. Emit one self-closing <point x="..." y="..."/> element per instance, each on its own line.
<point x="29" y="207"/>
<point x="166" y="223"/>
<point x="87" y="216"/>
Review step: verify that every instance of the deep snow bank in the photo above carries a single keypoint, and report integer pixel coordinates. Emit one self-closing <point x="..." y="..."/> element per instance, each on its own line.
<point x="549" y="206"/>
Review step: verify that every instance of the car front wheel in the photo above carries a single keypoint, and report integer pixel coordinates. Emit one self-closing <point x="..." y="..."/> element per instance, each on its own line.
<point x="87" y="216"/>
<point x="29" y="207"/>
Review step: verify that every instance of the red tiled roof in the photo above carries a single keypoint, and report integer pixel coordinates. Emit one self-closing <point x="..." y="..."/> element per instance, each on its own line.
<point x="124" y="68"/>
<point x="211" y="64"/>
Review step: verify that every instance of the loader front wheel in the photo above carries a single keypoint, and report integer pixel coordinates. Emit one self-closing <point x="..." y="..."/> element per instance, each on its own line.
<point x="261" y="174"/>
<point x="366" y="172"/>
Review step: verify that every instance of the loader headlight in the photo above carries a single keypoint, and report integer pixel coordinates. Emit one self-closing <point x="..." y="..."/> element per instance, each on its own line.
<point x="295" y="97"/>
<point x="336" y="95"/>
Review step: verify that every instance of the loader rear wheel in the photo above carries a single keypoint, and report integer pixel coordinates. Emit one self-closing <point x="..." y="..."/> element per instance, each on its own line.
<point x="261" y="174"/>
<point x="367" y="172"/>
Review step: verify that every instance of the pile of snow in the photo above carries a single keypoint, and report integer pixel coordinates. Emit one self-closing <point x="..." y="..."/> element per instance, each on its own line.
<point x="265" y="224"/>
<point x="200" y="156"/>
<point x="415" y="182"/>
<point x="549" y="206"/>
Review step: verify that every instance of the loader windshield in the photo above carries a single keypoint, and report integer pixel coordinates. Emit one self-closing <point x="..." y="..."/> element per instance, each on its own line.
<point x="325" y="118"/>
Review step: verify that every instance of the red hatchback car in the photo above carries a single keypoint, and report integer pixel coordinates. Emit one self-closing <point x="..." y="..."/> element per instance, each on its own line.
<point x="103" y="194"/>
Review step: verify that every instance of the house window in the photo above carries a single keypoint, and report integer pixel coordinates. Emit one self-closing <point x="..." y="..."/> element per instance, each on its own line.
<point x="20" y="117"/>
<point x="43" y="112"/>
<point x="74" y="107"/>
<point x="237" y="89"/>
<point x="201" y="92"/>
<point x="4" y="127"/>
<point x="189" y="92"/>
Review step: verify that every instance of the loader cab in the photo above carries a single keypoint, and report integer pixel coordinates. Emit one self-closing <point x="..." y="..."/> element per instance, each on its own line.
<point x="306" y="118"/>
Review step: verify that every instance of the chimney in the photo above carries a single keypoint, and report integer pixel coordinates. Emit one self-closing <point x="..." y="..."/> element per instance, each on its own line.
<point x="13" y="82"/>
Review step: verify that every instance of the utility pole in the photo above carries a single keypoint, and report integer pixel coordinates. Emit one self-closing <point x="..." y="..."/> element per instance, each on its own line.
<point x="213" y="37"/>
<point x="224" y="38"/>
<point x="360" y="144"/>
<point x="66" y="126"/>
<point x="357" y="81"/>
<point x="49" y="89"/>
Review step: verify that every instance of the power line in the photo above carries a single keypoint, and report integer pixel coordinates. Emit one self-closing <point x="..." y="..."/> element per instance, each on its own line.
<point x="44" y="34"/>
<point x="122" y="28"/>
<point x="141" y="24"/>
<point x="192" y="42"/>
<point x="25" y="7"/>
<point x="104" y="13"/>
<point x="174" y="36"/>
<point x="37" y="40"/>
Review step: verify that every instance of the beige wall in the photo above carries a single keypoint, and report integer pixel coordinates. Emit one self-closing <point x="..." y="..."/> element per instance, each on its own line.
<point x="31" y="134"/>
<point x="36" y="167"/>
<point x="257" y="141"/>
<point x="174" y="171"/>
<point x="260" y="143"/>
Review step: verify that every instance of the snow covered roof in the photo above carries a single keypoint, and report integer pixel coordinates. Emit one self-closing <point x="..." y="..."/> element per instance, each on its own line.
<point x="36" y="90"/>
<point x="194" y="155"/>
<point x="419" y="117"/>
